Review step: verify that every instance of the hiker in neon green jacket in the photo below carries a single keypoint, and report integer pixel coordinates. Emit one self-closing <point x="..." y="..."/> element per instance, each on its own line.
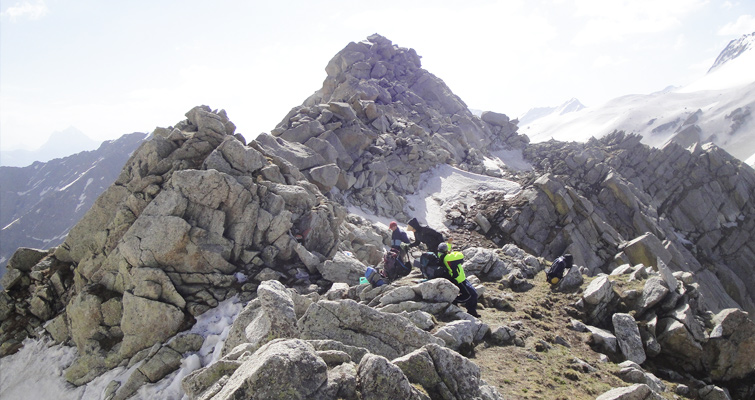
<point x="467" y="293"/>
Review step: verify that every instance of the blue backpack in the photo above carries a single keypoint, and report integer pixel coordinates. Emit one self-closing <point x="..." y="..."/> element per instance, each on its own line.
<point x="374" y="277"/>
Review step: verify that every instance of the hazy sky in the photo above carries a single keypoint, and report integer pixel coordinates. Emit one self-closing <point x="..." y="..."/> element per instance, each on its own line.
<point x="110" y="68"/>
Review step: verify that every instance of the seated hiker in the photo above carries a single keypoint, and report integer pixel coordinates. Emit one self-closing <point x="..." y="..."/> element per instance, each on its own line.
<point x="424" y="234"/>
<point x="467" y="293"/>
<point x="557" y="269"/>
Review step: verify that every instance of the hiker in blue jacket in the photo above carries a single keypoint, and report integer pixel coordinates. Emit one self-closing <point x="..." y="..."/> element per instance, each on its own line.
<point x="399" y="241"/>
<point x="398" y="236"/>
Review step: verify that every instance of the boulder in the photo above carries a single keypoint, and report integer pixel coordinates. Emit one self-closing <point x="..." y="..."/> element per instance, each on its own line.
<point x="24" y="259"/>
<point x="233" y="158"/>
<point x="342" y="268"/>
<point x="639" y="391"/>
<point x="712" y="392"/>
<point x="443" y="373"/>
<point x="653" y="292"/>
<point x="272" y="315"/>
<point x="437" y="290"/>
<point x="677" y="342"/>
<point x="730" y="352"/>
<point x="461" y="333"/>
<point x="325" y="176"/>
<point x="288" y="366"/>
<point x="503" y="336"/>
<point x="600" y="290"/>
<point x="495" y="118"/>
<point x="572" y="281"/>
<point x="378" y="379"/>
<point x="398" y="295"/>
<point x="355" y="324"/>
<point x="628" y="337"/>
<point x="484" y="263"/>
<point x="632" y="373"/>
<point x="604" y="339"/>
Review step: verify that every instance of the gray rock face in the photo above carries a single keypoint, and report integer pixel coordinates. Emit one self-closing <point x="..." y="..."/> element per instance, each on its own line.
<point x="185" y="218"/>
<point x="146" y="322"/>
<point x="355" y="324"/>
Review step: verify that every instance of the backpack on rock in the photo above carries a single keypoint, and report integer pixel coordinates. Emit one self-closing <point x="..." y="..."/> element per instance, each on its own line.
<point x="555" y="272"/>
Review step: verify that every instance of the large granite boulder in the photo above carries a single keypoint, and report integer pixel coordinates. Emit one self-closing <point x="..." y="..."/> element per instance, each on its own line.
<point x="355" y="324"/>
<point x="289" y="366"/>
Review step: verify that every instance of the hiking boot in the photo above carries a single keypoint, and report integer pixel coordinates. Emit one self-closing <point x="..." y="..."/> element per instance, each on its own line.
<point x="474" y="314"/>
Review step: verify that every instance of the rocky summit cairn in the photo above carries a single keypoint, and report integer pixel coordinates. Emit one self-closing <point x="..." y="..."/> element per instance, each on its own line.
<point x="660" y="238"/>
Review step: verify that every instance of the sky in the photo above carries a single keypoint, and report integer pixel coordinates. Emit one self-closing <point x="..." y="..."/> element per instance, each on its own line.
<point x="111" y="68"/>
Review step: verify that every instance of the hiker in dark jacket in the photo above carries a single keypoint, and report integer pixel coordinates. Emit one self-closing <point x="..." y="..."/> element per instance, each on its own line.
<point x="400" y="241"/>
<point x="453" y="263"/>
<point x="424" y="234"/>
<point x="398" y="236"/>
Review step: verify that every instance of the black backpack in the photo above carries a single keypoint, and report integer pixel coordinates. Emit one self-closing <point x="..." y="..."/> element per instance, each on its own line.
<point x="555" y="272"/>
<point x="393" y="266"/>
<point x="431" y="267"/>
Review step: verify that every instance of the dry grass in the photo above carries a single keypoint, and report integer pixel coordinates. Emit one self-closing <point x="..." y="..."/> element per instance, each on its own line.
<point x="536" y="371"/>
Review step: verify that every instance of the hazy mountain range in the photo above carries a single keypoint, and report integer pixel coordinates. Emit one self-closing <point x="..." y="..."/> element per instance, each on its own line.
<point x="61" y="144"/>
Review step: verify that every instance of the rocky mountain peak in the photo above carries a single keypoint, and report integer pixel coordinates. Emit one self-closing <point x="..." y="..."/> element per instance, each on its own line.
<point x="734" y="49"/>
<point x="197" y="218"/>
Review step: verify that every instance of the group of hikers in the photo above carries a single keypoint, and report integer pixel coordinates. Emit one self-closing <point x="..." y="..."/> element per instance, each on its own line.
<point x="439" y="261"/>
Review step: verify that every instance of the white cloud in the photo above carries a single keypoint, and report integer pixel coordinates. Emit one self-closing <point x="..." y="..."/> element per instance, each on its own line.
<point x="614" y="21"/>
<point x="26" y="9"/>
<point x="743" y="25"/>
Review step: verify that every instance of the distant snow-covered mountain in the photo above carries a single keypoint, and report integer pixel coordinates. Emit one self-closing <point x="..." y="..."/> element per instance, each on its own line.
<point x="716" y="108"/>
<point x="61" y="144"/>
<point x="534" y="114"/>
<point x="734" y="49"/>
